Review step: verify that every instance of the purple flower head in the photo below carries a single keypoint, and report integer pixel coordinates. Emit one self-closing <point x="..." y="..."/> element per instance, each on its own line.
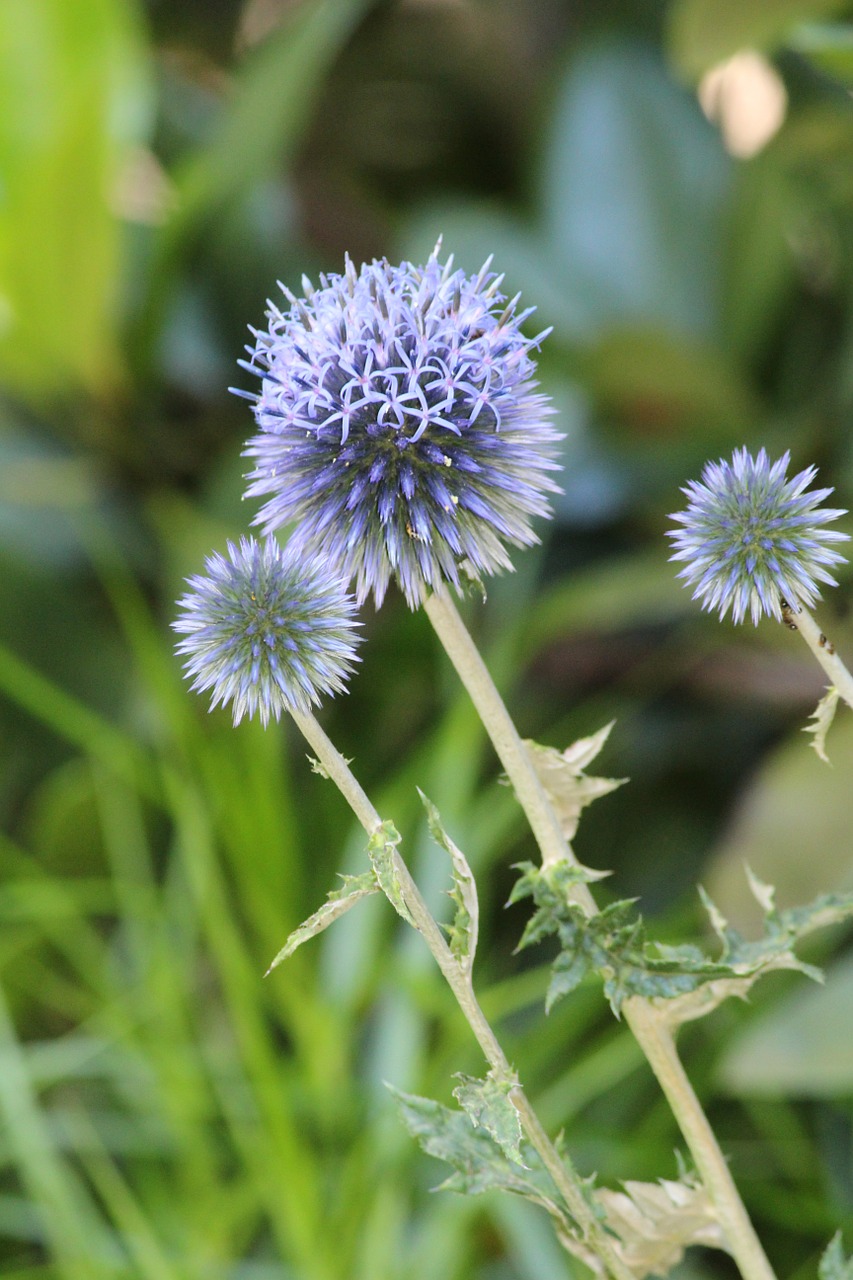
<point x="265" y="630"/>
<point x="400" y="429"/>
<point x="752" y="538"/>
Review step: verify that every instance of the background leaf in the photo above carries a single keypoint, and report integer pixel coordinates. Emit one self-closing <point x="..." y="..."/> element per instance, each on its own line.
<point x="75" y="102"/>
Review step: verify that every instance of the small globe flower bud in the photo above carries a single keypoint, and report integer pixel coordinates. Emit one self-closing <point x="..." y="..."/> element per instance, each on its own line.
<point x="399" y="426"/>
<point x="266" y="631"/>
<point x="752" y="539"/>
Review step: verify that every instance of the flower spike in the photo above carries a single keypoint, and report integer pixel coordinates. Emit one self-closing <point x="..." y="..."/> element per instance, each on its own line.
<point x="266" y="631"/>
<point x="399" y="426"/>
<point x="753" y="541"/>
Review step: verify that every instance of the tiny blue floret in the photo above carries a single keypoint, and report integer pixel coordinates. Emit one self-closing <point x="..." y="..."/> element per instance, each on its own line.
<point x="400" y="430"/>
<point x="753" y="540"/>
<point x="266" y="631"/>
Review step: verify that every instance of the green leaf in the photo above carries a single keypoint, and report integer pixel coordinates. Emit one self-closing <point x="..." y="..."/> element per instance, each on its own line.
<point x="656" y="1221"/>
<point x="823" y="716"/>
<point x="613" y="944"/>
<point x="74" y="103"/>
<point x="478" y="1162"/>
<point x="651" y="1223"/>
<point x="489" y="1106"/>
<point x="562" y="775"/>
<point x="462" y="933"/>
<point x="705" y="32"/>
<point x="382" y="851"/>
<point x="833" y="1265"/>
<point x="746" y="961"/>
<point x="338" y="903"/>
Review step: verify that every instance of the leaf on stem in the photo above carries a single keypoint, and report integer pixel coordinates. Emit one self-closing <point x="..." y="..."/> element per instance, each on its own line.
<point x="489" y="1106"/>
<point x="462" y="933"/>
<point x="651" y="1223"/>
<point x="746" y="961"/>
<point x="614" y="945"/>
<point x="564" y="780"/>
<point x="833" y="1265"/>
<point x="823" y="716"/>
<point x="478" y="1162"/>
<point x="656" y="1221"/>
<point x="382" y="851"/>
<point x="338" y="903"/>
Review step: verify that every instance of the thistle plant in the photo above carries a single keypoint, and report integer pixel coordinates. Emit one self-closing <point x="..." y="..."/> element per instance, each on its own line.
<point x="753" y="540"/>
<point x="400" y="436"/>
<point x="265" y="631"/>
<point x="400" y="431"/>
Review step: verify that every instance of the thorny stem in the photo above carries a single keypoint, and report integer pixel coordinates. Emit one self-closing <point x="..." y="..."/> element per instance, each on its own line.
<point x="799" y="619"/>
<point x="646" y="1022"/>
<point x="566" y="1180"/>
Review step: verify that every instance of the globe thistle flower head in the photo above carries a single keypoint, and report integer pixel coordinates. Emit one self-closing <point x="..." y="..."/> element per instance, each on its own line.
<point x="266" y="631"/>
<point x="752" y="539"/>
<point x="399" y="425"/>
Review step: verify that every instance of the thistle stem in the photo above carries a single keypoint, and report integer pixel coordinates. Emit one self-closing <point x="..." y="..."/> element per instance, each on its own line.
<point x="565" y="1178"/>
<point x="512" y="753"/>
<point x="646" y="1022"/>
<point x="801" y="620"/>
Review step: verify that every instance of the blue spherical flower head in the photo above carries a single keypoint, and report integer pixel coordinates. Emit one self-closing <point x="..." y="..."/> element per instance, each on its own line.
<point x="400" y="429"/>
<point x="266" y="631"/>
<point x="752" y="539"/>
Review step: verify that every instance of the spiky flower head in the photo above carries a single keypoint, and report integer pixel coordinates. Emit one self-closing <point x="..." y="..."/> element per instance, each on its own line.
<point x="400" y="429"/>
<point x="752" y="539"/>
<point x="266" y="631"/>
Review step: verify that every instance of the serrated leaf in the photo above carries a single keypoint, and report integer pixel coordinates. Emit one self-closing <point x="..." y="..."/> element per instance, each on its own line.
<point x="478" y="1162"/>
<point x="562" y="776"/>
<point x="463" y="932"/>
<point x="746" y="961"/>
<point x="688" y="983"/>
<point x="833" y="1264"/>
<point x="612" y="944"/>
<point x="488" y="1105"/>
<point x="655" y="1222"/>
<point x="823" y="716"/>
<point x="382" y="851"/>
<point x="338" y="903"/>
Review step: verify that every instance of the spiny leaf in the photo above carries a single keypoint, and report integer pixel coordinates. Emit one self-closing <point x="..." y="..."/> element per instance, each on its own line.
<point x="823" y="716"/>
<point x="489" y="1106"/>
<point x="381" y="849"/>
<point x="338" y="903"/>
<point x="562" y="775"/>
<point x="478" y="1162"/>
<point x="833" y="1265"/>
<point x="655" y="1222"/>
<point x="746" y="961"/>
<point x="614" y="945"/>
<point x="463" y="932"/>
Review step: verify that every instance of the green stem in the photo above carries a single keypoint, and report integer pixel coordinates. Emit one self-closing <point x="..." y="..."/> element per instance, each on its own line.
<point x="801" y="620"/>
<point x="512" y="753"/>
<point x="566" y="1180"/>
<point x="647" y="1023"/>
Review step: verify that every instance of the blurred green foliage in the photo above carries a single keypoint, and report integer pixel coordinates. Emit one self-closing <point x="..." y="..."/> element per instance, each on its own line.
<point x="166" y="1113"/>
